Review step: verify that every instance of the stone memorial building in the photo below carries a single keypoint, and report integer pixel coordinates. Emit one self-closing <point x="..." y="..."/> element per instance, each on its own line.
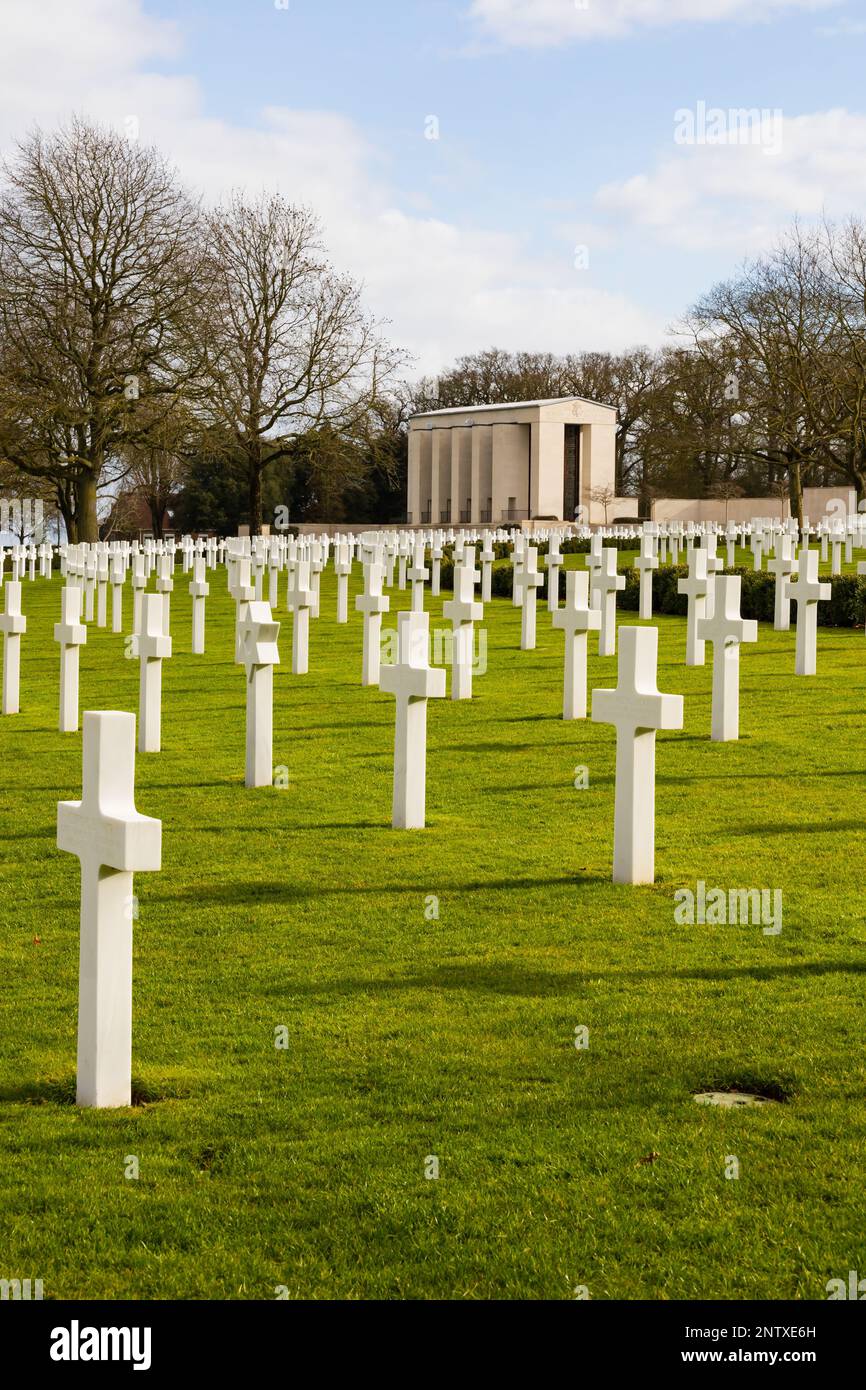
<point x="493" y="464"/>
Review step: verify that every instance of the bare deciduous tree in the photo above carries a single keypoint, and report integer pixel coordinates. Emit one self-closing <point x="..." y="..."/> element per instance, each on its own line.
<point x="98" y="287"/>
<point x="290" y="347"/>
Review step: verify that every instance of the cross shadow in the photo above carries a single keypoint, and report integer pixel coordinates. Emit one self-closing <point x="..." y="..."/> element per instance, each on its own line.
<point x="508" y="980"/>
<point x="62" y="1090"/>
<point x="482" y="747"/>
<point x="825" y="828"/>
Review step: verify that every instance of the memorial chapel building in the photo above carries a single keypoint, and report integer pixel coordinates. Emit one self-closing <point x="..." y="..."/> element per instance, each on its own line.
<point x="494" y="464"/>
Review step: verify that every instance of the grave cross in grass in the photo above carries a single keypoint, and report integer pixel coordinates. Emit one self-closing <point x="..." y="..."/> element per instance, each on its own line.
<point x="342" y="569"/>
<point x="102" y="578"/>
<point x="637" y="710"/>
<point x="554" y="564"/>
<point x="782" y="566"/>
<point x="261" y="654"/>
<point x="529" y="581"/>
<point x="199" y="590"/>
<point x="696" y="587"/>
<point x="372" y="603"/>
<point x="576" y="620"/>
<point x="645" y="564"/>
<point x="463" y="612"/>
<point x="488" y="555"/>
<point x="413" y="681"/>
<point x="243" y="593"/>
<point x="13" y="625"/>
<point x="153" y="648"/>
<point x="71" y="633"/>
<point x="417" y="574"/>
<point x="118" y="575"/>
<point x="726" y="630"/>
<point x="112" y="841"/>
<point x="299" y="600"/>
<point x="807" y="592"/>
<point x="606" y="584"/>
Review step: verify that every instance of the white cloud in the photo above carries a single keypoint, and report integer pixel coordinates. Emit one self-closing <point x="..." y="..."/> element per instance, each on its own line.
<point x="446" y="288"/>
<point x="738" y="196"/>
<point x="542" y="23"/>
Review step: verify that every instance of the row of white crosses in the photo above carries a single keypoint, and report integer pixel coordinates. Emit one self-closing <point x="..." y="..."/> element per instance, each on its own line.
<point x="113" y="841"/>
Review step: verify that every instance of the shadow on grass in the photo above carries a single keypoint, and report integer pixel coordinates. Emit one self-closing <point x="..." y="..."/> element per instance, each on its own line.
<point x="61" y="1091"/>
<point x="507" y="980"/>
<point x="288" y="892"/>
<point x="826" y="828"/>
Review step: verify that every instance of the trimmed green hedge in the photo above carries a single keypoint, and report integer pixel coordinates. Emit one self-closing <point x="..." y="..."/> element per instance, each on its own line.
<point x="845" y="608"/>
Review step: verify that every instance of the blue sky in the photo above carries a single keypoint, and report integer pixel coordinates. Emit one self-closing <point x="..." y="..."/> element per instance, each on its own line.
<point x="556" y="131"/>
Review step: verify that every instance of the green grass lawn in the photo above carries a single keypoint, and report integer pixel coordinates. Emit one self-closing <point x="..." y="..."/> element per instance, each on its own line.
<point x="411" y="1035"/>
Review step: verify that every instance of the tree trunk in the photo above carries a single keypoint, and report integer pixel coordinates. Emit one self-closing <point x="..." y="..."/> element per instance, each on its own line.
<point x="88" y="525"/>
<point x="156" y="514"/>
<point x="64" y="506"/>
<point x="796" y="489"/>
<point x="255" y="498"/>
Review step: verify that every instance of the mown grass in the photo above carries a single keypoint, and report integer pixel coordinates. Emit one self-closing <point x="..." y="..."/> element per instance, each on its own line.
<point x="412" y="1035"/>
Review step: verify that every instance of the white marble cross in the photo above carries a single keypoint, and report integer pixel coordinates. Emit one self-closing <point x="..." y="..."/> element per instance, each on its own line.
<point x="757" y="547"/>
<point x="807" y="592"/>
<point x="300" y="600"/>
<point x="243" y="593"/>
<point x="731" y="544"/>
<point x="576" y="620"/>
<point x="112" y="842"/>
<point x="317" y="564"/>
<point x="637" y="710"/>
<point x="726" y="629"/>
<point x="435" y="567"/>
<point x="402" y="561"/>
<point x="118" y="575"/>
<point x="258" y="571"/>
<point x="199" y="590"/>
<point x="90" y="564"/>
<point x="372" y="603"/>
<point x="165" y="586"/>
<point x="606" y="583"/>
<point x="528" y="581"/>
<point x="488" y="555"/>
<point x="274" y="566"/>
<point x="782" y="566"/>
<point x="153" y="648"/>
<point x="413" y="681"/>
<point x="139" y="584"/>
<point x="645" y="564"/>
<point x="554" y="564"/>
<point x="518" y="557"/>
<point x="71" y="633"/>
<point x="417" y="575"/>
<point x="696" y="587"/>
<point x="593" y="559"/>
<point x="13" y="625"/>
<point x="463" y="612"/>
<point x="102" y="578"/>
<point x="837" y="540"/>
<point x="261" y="654"/>
<point x="342" y="569"/>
